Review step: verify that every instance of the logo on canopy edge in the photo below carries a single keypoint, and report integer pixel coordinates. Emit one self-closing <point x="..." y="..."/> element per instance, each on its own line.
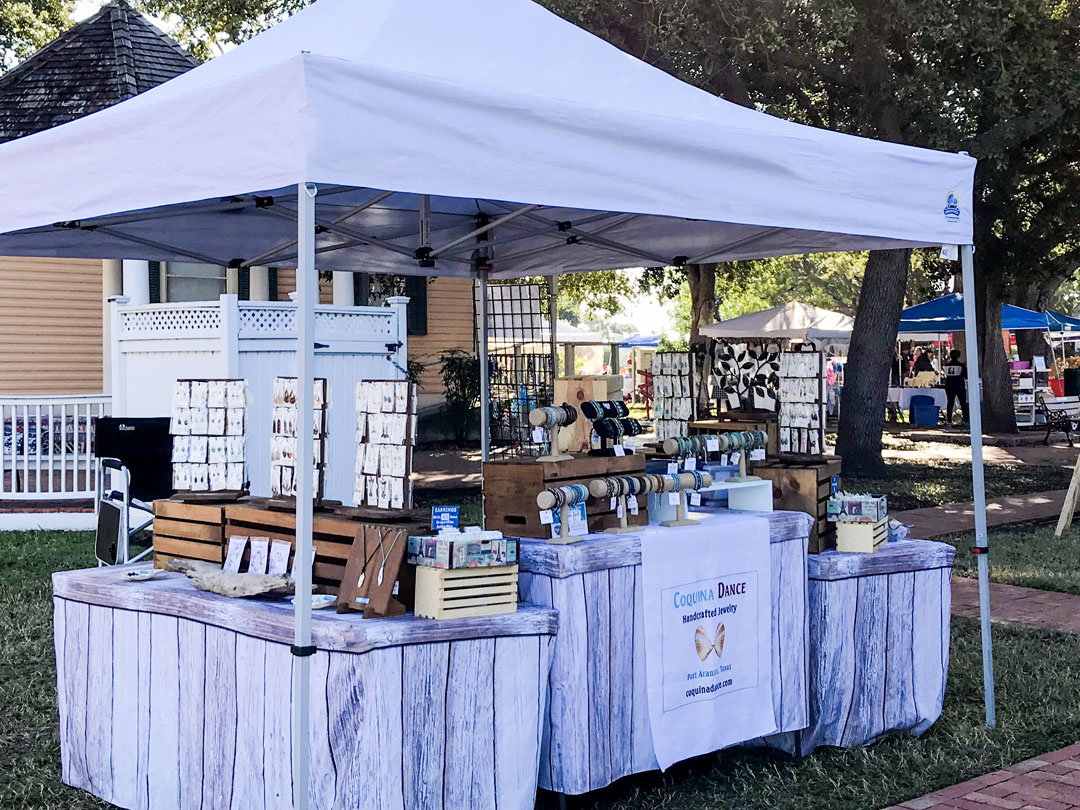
<point x="952" y="207"/>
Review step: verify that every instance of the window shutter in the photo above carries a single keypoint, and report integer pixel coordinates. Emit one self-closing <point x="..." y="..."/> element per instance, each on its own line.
<point x="416" y="311"/>
<point x="271" y="283"/>
<point x="244" y="291"/>
<point x="155" y="282"/>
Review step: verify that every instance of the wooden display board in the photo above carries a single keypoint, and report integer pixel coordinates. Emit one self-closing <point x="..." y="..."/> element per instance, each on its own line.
<point x="511" y="486"/>
<point x="805" y="487"/>
<point x="372" y="570"/>
<point x="577" y="438"/>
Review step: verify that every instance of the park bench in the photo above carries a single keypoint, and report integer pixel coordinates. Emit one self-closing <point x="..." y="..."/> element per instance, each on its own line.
<point x="1062" y="413"/>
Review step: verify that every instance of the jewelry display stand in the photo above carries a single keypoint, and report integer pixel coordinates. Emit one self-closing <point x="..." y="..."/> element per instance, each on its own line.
<point x="622" y="528"/>
<point x="681" y="518"/>
<point x="565" y="537"/>
<point x="553" y="447"/>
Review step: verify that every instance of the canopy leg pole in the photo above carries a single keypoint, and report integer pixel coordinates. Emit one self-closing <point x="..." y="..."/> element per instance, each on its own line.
<point x="485" y="373"/>
<point x="308" y="287"/>
<point x="978" y="486"/>
<point x="553" y="314"/>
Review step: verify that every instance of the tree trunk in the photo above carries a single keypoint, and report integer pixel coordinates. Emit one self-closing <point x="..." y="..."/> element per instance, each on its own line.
<point x="702" y="281"/>
<point x="1033" y="342"/>
<point x="866" y="377"/>
<point x="999" y="413"/>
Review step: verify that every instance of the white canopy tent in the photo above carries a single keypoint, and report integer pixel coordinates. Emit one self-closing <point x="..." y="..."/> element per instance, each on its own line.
<point x="791" y="321"/>
<point x="544" y="150"/>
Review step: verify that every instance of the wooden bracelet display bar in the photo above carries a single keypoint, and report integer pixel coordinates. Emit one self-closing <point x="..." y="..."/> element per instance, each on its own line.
<point x="552" y="418"/>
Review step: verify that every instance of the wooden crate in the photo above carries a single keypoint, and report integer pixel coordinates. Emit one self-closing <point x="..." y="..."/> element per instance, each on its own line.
<point x="805" y="487"/>
<point x="862" y="538"/>
<point x="332" y="536"/>
<point x="188" y="531"/>
<point x="511" y="486"/>
<point x="453" y="593"/>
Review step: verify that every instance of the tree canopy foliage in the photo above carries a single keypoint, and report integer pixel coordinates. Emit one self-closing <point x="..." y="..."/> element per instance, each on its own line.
<point x="26" y="25"/>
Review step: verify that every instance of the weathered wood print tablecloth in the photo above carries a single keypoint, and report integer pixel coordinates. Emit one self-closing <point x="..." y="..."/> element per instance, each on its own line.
<point x="597" y="726"/>
<point x="879" y="642"/>
<point x="174" y="698"/>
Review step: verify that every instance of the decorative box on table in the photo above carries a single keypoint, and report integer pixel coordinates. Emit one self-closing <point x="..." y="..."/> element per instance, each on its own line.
<point x="171" y="697"/>
<point x="597" y="724"/>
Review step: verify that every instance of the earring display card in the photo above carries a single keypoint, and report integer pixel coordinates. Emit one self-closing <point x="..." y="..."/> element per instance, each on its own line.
<point x="283" y="433"/>
<point x="207" y="426"/>
<point x="672" y="402"/>
<point x="385" y="435"/>
<point x="802" y="394"/>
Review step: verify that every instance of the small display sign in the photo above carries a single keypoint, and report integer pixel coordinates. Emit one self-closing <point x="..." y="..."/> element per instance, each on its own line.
<point x="444" y="517"/>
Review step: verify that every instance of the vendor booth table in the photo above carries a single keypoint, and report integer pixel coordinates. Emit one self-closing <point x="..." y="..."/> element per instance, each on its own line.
<point x="171" y="697"/>
<point x="597" y="727"/>
<point x="902" y="396"/>
<point x="879" y="644"/>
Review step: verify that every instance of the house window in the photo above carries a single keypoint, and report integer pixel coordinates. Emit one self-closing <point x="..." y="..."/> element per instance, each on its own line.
<point x="372" y="289"/>
<point x="194" y="282"/>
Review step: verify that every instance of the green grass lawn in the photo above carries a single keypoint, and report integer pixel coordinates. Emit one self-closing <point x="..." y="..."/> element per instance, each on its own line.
<point x="1038" y="691"/>
<point x="1029" y="556"/>
<point x="913" y="485"/>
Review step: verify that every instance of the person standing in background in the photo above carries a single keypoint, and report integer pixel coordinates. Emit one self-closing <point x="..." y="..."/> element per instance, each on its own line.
<point x="922" y="362"/>
<point x="955" y="386"/>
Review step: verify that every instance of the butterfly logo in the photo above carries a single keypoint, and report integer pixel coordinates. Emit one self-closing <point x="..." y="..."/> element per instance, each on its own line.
<point x="705" y="645"/>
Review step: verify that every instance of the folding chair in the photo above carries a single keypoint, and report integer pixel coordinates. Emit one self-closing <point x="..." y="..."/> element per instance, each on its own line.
<point x="115" y="512"/>
<point x="134" y="468"/>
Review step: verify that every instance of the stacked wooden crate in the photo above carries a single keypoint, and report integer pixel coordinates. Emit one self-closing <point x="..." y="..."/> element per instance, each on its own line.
<point x="511" y="486"/>
<point x="332" y="538"/>
<point x="805" y="487"/>
<point x="188" y="531"/>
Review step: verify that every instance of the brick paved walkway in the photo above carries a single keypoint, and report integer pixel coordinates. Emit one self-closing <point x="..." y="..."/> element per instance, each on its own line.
<point x="1048" y="782"/>
<point x="1027" y="606"/>
<point x="960" y="517"/>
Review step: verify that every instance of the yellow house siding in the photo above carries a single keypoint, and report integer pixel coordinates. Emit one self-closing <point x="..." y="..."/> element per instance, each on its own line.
<point x="449" y="326"/>
<point x="286" y="283"/>
<point x="50" y="326"/>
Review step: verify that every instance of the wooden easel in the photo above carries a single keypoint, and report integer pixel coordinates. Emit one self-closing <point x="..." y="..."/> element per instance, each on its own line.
<point x="1068" y="508"/>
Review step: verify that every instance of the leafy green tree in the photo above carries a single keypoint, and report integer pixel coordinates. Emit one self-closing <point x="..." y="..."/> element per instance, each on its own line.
<point x="26" y="25"/>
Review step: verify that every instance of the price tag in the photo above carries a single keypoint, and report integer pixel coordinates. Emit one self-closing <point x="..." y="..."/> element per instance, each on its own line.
<point x="614" y="503"/>
<point x="712" y="445"/>
<point x="735" y="458"/>
<point x="621" y="513"/>
<point x="546" y="518"/>
<point x="673" y="498"/>
<point x="757" y="455"/>
<point x="619" y="450"/>
<point x="631" y="504"/>
<point x="695" y="499"/>
<point x="631" y="447"/>
<point x="538" y="435"/>
<point x="725" y="460"/>
<point x="673" y="467"/>
<point x="690" y="464"/>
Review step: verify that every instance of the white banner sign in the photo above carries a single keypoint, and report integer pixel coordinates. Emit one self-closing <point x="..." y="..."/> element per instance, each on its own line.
<point x="708" y="636"/>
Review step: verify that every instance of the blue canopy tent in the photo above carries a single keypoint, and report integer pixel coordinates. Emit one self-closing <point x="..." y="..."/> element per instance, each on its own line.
<point x="946" y="314"/>
<point x="652" y="341"/>
<point x="1060" y="322"/>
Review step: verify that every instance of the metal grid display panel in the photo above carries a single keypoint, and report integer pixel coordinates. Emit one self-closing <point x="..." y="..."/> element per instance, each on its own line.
<point x="522" y="373"/>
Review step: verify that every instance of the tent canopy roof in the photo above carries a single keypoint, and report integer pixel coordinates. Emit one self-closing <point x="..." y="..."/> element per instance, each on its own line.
<point x="792" y="321"/>
<point x="946" y="314"/>
<point x="1060" y="322"/>
<point x="383" y="101"/>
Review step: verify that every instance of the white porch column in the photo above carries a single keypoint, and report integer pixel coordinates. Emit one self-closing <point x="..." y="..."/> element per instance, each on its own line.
<point x="344" y="295"/>
<point x="117" y="375"/>
<point x="259" y="283"/>
<point x="232" y="280"/>
<point x="137" y="282"/>
<point x="112" y="284"/>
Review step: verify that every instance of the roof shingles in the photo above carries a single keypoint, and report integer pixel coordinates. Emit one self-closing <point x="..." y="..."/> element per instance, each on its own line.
<point x="106" y="59"/>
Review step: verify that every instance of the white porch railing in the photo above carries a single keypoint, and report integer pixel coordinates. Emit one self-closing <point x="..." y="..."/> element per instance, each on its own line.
<point x="47" y="452"/>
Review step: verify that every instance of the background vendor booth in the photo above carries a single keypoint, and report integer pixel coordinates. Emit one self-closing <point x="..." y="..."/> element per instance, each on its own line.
<point x="383" y="145"/>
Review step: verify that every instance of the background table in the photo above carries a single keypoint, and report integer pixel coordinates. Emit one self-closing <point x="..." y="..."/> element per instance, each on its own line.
<point x="902" y="396"/>
<point x="879" y="644"/>
<point x="174" y="697"/>
<point x="597" y="726"/>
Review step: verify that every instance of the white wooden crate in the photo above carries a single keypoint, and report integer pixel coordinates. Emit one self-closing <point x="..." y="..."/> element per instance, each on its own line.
<point x="450" y="593"/>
